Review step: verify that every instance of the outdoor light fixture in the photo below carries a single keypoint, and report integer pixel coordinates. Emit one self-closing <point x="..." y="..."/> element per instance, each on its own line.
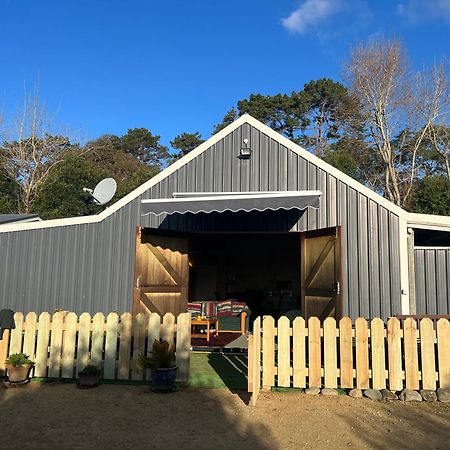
<point x="245" y="151"/>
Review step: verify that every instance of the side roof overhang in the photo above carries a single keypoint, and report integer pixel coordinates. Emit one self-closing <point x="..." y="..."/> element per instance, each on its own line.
<point x="412" y="220"/>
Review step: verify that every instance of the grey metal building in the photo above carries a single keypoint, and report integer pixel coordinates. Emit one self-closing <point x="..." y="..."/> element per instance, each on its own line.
<point x="247" y="210"/>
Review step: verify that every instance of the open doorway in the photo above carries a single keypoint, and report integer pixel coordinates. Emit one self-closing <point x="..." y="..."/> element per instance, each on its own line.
<point x="273" y="273"/>
<point x="260" y="269"/>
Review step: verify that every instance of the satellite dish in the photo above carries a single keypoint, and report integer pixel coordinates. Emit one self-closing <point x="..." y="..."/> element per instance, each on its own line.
<point x="103" y="192"/>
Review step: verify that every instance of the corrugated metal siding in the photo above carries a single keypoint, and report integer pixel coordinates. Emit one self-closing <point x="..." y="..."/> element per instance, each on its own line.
<point x="90" y="267"/>
<point x="432" y="274"/>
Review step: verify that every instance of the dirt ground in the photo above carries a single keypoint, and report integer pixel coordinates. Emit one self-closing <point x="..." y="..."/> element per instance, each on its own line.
<point x="43" y="415"/>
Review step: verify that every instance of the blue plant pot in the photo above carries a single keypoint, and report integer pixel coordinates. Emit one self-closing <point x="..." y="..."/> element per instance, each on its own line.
<point x="164" y="379"/>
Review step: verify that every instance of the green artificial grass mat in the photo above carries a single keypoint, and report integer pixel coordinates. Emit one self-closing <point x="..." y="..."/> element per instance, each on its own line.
<point x="218" y="370"/>
<point x="207" y="370"/>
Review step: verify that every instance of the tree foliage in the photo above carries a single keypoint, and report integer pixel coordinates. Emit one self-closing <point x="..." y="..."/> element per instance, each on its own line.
<point x="399" y="107"/>
<point x="432" y="196"/>
<point x="9" y="192"/>
<point x="145" y="147"/>
<point x="186" y="142"/>
<point x="62" y="195"/>
<point x="35" y="150"/>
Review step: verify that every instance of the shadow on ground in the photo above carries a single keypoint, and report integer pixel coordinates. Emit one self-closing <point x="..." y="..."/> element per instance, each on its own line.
<point x="428" y="425"/>
<point x="58" y="415"/>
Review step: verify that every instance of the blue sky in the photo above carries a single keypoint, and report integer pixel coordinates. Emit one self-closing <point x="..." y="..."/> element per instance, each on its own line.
<point x="174" y="66"/>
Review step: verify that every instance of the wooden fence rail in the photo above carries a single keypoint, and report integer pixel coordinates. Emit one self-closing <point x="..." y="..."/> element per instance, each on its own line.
<point x="63" y="344"/>
<point x="366" y="355"/>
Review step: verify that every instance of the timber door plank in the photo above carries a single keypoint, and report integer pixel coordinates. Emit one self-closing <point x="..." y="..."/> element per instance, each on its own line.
<point x="161" y="274"/>
<point x="321" y="274"/>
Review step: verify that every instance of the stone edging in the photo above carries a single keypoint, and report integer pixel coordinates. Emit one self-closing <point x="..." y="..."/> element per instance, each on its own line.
<point x="406" y="395"/>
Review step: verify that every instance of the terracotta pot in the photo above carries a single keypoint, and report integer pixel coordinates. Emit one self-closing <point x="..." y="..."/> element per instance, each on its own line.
<point x="18" y="374"/>
<point x="164" y="379"/>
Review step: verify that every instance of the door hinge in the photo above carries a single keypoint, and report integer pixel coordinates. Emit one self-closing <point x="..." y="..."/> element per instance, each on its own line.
<point x="336" y="288"/>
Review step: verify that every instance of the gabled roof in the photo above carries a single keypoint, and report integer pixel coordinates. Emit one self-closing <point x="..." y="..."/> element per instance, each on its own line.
<point x="414" y="219"/>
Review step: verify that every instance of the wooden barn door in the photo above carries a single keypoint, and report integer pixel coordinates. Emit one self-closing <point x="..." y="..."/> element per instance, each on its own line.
<point x="321" y="279"/>
<point x="161" y="281"/>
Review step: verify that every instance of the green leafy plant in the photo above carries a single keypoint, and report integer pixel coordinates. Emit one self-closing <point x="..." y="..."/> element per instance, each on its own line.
<point x="90" y="370"/>
<point x="18" y="359"/>
<point x="161" y="357"/>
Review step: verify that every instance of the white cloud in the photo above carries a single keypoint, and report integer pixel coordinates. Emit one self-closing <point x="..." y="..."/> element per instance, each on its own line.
<point x="310" y="14"/>
<point x="416" y="11"/>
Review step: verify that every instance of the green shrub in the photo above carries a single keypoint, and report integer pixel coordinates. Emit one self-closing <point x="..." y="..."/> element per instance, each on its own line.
<point x="90" y="370"/>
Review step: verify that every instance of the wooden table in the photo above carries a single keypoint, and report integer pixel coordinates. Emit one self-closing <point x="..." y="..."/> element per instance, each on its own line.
<point x="205" y="322"/>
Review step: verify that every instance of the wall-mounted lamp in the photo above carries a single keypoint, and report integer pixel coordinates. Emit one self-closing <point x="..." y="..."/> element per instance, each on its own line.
<point x="245" y="151"/>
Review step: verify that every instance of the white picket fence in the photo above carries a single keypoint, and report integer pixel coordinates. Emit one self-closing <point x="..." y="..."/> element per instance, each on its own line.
<point x="62" y="344"/>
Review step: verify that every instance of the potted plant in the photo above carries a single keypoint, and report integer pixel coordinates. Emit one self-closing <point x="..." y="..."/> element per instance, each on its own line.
<point x="18" y="366"/>
<point x="162" y="364"/>
<point x="89" y="376"/>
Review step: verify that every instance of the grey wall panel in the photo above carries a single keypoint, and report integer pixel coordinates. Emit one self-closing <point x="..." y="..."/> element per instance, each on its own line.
<point x="90" y="267"/>
<point x="432" y="274"/>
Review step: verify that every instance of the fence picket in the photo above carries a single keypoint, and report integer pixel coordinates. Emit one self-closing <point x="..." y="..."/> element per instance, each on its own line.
<point x="256" y="374"/>
<point x="123" y="370"/>
<point x="168" y="328"/>
<point x="84" y="335"/>
<point x="443" y="333"/>
<point x="56" y="341"/>
<point x="411" y="357"/>
<point x="299" y="353"/>
<point x="98" y="335"/>
<point x="154" y="329"/>
<point x="69" y="343"/>
<point x="29" y="339"/>
<point x="346" y="352"/>
<point x="139" y="335"/>
<point x="112" y="333"/>
<point x="268" y="348"/>
<point x="314" y="360"/>
<point x="378" y="354"/>
<point x="15" y="342"/>
<point x="284" y="352"/>
<point x="183" y="346"/>
<point x="427" y="354"/>
<point x="394" y="354"/>
<point x="330" y="353"/>
<point x="40" y="369"/>
<point x="60" y="345"/>
<point x="362" y="353"/>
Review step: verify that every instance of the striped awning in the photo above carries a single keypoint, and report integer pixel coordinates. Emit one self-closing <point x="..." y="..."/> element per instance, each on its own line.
<point x="206" y="202"/>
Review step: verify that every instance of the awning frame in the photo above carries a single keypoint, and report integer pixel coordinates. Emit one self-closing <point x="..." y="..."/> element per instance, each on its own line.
<point x="223" y="201"/>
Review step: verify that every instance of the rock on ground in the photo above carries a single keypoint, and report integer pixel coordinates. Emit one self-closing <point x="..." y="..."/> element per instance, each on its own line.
<point x="328" y="391"/>
<point x="312" y="391"/>
<point x="443" y="395"/>
<point x="356" y="393"/>
<point x="373" y="394"/>
<point x="428" y="395"/>
<point x="408" y="395"/>
<point x="388" y="395"/>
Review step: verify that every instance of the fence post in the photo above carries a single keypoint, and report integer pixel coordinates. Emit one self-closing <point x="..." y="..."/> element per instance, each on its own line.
<point x="256" y="360"/>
